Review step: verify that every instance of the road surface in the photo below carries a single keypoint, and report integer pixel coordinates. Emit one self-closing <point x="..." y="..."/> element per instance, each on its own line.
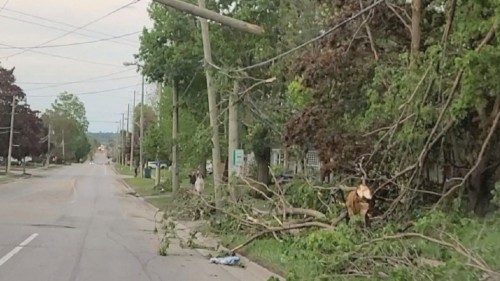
<point x="77" y="224"/>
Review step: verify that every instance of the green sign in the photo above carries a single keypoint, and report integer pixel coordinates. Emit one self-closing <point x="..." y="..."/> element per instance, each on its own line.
<point x="238" y="158"/>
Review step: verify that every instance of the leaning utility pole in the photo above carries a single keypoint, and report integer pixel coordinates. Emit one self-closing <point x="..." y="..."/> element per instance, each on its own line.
<point x="11" y="137"/>
<point x="205" y="14"/>
<point x="141" y="133"/>
<point x="175" y="130"/>
<point x="202" y="12"/>
<point x="132" y="136"/>
<point x="213" y="110"/>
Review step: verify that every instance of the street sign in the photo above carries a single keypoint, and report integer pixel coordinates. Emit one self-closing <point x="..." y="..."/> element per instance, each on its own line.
<point x="238" y="158"/>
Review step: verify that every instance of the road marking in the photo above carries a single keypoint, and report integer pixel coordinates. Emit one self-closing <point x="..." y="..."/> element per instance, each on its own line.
<point x="5" y="258"/>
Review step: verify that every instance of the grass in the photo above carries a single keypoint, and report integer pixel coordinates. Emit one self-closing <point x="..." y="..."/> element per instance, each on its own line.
<point x="124" y="170"/>
<point x="267" y="252"/>
<point x="145" y="187"/>
<point x="3" y="178"/>
<point x="300" y="258"/>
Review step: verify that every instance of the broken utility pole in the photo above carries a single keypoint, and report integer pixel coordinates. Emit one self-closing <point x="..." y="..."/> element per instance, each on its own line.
<point x="212" y="108"/>
<point x="204" y="13"/>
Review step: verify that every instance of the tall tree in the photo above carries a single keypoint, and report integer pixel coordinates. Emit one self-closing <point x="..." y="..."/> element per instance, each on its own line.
<point x="68" y="120"/>
<point x="29" y="132"/>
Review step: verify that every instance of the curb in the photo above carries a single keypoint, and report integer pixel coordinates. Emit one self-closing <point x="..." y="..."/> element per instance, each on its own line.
<point x="160" y="223"/>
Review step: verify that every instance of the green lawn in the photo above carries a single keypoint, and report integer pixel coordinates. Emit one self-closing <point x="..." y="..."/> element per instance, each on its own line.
<point x="124" y="170"/>
<point x="144" y="187"/>
<point x="3" y="178"/>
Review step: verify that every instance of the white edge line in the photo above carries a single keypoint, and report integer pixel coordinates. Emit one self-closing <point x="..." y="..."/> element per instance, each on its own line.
<point x="5" y="258"/>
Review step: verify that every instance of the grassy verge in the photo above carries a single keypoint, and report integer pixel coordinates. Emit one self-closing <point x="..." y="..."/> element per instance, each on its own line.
<point x="146" y="187"/>
<point x="349" y="252"/>
<point x="331" y="254"/>
<point x="3" y="178"/>
<point x="124" y="170"/>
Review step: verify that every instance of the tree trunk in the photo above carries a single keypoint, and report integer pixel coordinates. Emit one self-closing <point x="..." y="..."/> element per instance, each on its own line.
<point x="203" y="167"/>
<point x="416" y="31"/>
<point x="263" y="162"/>
<point x="483" y="180"/>
<point x="233" y="141"/>
<point x="175" y="129"/>
<point x="213" y="110"/>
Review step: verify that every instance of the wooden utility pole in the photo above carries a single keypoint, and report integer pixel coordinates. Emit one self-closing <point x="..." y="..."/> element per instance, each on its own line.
<point x="233" y="139"/>
<point x="48" y="145"/>
<point x="213" y="110"/>
<point x="141" y="133"/>
<point x="132" y="136"/>
<point x="123" y="138"/>
<point x="63" y="148"/>
<point x="126" y="130"/>
<point x="175" y="131"/>
<point x="202" y="12"/>
<point x="11" y="136"/>
<point x="158" y="164"/>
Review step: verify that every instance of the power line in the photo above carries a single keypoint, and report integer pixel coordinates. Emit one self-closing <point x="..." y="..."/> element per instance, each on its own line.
<point x="77" y="28"/>
<point x="63" y="23"/>
<point x="78" y="81"/>
<point x="59" y="56"/>
<point x="58" y="28"/>
<point x="91" y="93"/>
<point x="337" y="26"/>
<point x="101" y="121"/>
<point x="63" y="84"/>
<point x="62" y="29"/>
<point x="69" y="44"/>
<point x="4" y="4"/>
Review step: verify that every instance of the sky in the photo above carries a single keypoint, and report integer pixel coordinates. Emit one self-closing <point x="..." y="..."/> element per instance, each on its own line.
<point x="101" y="35"/>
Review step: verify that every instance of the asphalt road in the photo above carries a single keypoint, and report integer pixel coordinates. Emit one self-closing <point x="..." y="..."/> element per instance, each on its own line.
<point x="77" y="223"/>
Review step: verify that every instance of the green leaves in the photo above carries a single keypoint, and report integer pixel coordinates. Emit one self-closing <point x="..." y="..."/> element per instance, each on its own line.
<point x="69" y="123"/>
<point x="298" y="95"/>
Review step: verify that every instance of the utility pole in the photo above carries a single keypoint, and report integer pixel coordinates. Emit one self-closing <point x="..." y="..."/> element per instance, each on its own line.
<point x="132" y="136"/>
<point x="63" y="148"/>
<point x="141" y="133"/>
<point x="158" y="165"/>
<point x="117" y="144"/>
<point x="233" y="139"/>
<point x="11" y="137"/>
<point x="122" y="138"/>
<point x="213" y="110"/>
<point x="202" y="12"/>
<point x="48" y="145"/>
<point x="126" y="130"/>
<point x="175" y="130"/>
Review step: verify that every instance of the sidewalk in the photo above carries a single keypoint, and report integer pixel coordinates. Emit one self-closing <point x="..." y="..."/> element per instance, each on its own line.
<point x="182" y="232"/>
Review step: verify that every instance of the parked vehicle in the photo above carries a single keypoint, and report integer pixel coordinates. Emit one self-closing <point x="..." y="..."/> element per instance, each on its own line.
<point x="153" y="164"/>
<point x="210" y="169"/>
